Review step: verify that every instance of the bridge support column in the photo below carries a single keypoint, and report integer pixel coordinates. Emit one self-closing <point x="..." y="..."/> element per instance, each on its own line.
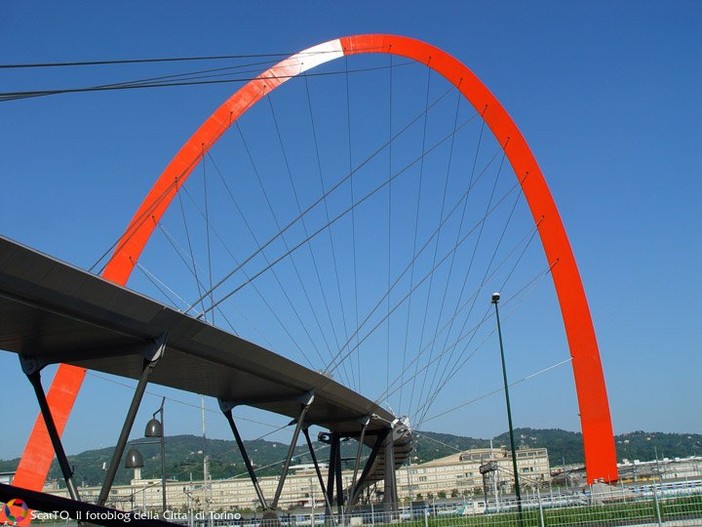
<point x="379" y="442"/>
<point x="306" y="402"/>
<point x="151" y="357"/>
<point x="32" y="369"/>
<point x="352" y="492"/>
<point x="390" y="491"/>
<point x="334" y="441"/>
<point x="327" y="505"/>
<point x="226" y="408"/>
<point x="339" y="482"/>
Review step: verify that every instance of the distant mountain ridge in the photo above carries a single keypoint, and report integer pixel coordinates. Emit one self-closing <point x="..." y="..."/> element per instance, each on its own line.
<point x="184" y="453"/>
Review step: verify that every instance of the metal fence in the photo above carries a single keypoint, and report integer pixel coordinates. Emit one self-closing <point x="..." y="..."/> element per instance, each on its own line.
<point x="659" y="505"/>
<point x="655" y="507"/>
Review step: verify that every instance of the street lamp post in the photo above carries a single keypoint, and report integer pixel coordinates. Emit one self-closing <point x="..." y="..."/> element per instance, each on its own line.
<point x="495" y="300"/>
<point x="154" y="430"/>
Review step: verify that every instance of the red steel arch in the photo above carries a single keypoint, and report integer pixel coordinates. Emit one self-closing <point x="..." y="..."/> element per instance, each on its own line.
<point x="600" y="454"/>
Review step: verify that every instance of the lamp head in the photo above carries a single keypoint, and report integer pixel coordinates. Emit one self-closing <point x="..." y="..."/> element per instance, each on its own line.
<point x="134" y="459"/>
<point x="154" y="428"/>
<point x="495" y="297"/>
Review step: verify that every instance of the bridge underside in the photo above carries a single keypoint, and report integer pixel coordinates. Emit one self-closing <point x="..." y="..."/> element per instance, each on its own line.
<point x="51" y="312"/>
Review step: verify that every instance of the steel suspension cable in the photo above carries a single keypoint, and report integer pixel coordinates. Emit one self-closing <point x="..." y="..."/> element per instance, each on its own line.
<point x="458" y="232"/>
<point x="470" y="334"/>
<point x="207" y="232"/>
<point x="114" y="62"/>
<point x="353" y="210"/>
<point x="313" y="235"/>
<point x="459" y="98"/>
<point x="284" y="326"/>
<point x="171" y="240"/>
<point x="304" y="228"/>
<point x="470" y="265"/>
<point x="435" y="385"/>
<point x="416" y="218"/>
<point x="498" y="390"/>
<point x="190" y="247"/>
<point x="488" y="314"/>
<point x="146" y="84"/>
<point x="528" y="238"/>
<point x="261" y="247"/>
<point x="138" y="221"/>
<point x="409" y="265"/>
<point x="275" y="57"/>
<point x="163" y="288"/>
<point x="329" y="232"/>
<point x="331" y="190"/>
<point x="387" y="346"/>
<point x="414" y="287"/>
<point x="193" y="272"/>
<point x="506" y="280"/>
<point x="178" y="79"/>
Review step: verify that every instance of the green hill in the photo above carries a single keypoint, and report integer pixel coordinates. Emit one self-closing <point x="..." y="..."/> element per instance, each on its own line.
<point x="564" y="446"/>
<point x="185" y="453"/>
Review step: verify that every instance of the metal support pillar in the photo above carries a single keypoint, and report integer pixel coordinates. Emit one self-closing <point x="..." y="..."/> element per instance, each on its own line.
<point x="226" y="408"/>
<point x="32" y="369"/>
<point x="369" y="464"/>
<point x="352" y="492"/>
<point x="306" y="402"/>
<point x="339" y="481"/>
<point x="390" y="492"/>
<point x="306" y="433"/>
<point x="331" y="473"/>
<point x="151" y="358"/>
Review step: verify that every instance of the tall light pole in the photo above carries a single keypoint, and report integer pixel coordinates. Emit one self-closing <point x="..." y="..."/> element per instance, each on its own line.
<point x="495" y="300"/>
<point x="154" y="429"/>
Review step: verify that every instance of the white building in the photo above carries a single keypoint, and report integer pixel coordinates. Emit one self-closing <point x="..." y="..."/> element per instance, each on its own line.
<point x="460" y="474"/>
<point x="455" y="475"/>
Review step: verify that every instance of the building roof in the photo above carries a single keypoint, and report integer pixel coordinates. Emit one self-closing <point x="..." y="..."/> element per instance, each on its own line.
<point x="480" y="455"/>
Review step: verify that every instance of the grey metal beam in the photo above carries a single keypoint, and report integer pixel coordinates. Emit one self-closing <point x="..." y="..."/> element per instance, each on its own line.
<point x="306" y="433"/>
<point x="352" y="492"/>
<point x="380" y="441"/>
<point x="339" y="479"/>
<point x="390" y="491"/>
<point x="308" y="400"/>
<point x="331" y="470"/>
<point x="32" y="369"/>
<point x="151" y="358"/>
<point x="227" y="408"/>
<point x="72" y="356"/>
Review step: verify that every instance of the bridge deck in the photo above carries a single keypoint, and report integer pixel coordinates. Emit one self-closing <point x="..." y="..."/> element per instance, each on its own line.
<point x="58" y="313"/>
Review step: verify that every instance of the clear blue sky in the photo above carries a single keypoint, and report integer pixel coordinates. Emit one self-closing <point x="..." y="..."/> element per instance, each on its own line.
<point x="607" y="95"/>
